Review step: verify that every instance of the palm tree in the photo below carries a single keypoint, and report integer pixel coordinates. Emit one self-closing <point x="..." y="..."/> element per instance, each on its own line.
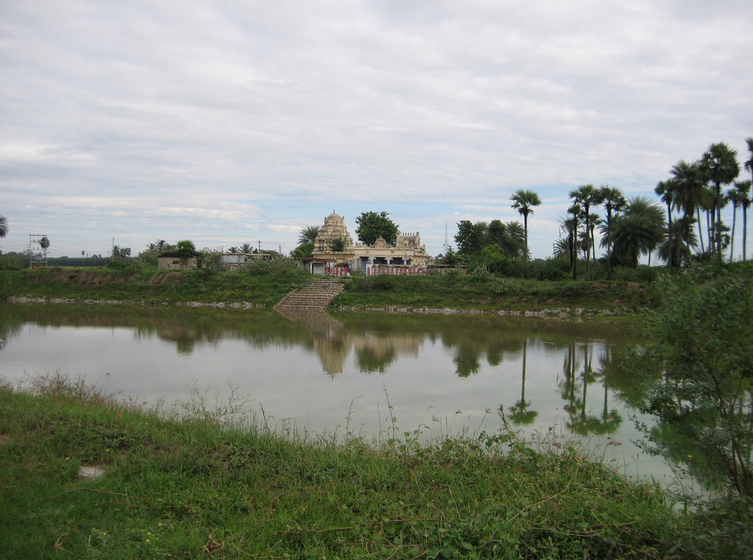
<point x="523" y="200"/>
<point x="734" y="196"/>
<point x="572" y="228"/>
<point x="743" y="189"/>
<point x="683" y="239"/>
<point x="516" y="233"/>
<point x="638" y="231"/>
<point x="719" y="163"/>
<point x="613" y="202"/>
<point x="665" y="190"/>
<point x="3" y="226"/>
<point x="586" y="196"/>
<point x="308" y="234"/>
<point x="749" y="162"/>
<point x="595" y="221"/>
<point x="690" y="191"/>
<point x="246" y="248"/>
<point x="749" y="166"/>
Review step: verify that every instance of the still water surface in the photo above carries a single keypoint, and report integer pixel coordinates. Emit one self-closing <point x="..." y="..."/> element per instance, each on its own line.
<point x="441" y="374"/>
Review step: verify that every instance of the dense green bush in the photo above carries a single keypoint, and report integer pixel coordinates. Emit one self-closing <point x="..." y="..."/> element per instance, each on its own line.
<point x="554" y="269"/>
<point x="10" y="262"/>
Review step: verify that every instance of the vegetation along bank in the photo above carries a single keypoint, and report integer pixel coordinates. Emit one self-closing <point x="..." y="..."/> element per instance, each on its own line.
<point x="267" y="283"/>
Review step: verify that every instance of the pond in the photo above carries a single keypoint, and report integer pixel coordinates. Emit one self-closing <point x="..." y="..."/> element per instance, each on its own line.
<point x="328" y="373"/>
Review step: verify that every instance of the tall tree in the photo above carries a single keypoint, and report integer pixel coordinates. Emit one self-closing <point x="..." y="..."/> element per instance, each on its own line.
<point x="3" y="226"/>
<point x="744" y="188"/>
<point x="613" y="201"/>
<point x="638" y="231"/>
<point x="308" y="234"/>
<point x="665" y="190"/>
<point x="586" y="196"/>
<point x="733" y="195"/>
<point x="572" y="224"/>
<point x="749" y="166"/>
<point x="373" y="225"/>
<point x="690" y="191"/>
<point x="595" y="221"/>
<point x="523" y="202"/>
<point x="719" y="164"/>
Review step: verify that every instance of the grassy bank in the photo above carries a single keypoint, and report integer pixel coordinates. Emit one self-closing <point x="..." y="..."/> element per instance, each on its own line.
<point x="267" y="287"/>
<point x="186" y="487"/>
<point x="491" y="292"/>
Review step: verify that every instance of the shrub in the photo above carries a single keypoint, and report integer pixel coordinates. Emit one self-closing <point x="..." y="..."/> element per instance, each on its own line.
<point x="10" y="262"/>
<point x="696" y="373"/>
<point x="554" y="269"/>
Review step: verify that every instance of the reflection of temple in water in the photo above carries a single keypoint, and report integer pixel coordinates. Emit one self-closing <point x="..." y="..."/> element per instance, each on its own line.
<point x="332" y="343"/>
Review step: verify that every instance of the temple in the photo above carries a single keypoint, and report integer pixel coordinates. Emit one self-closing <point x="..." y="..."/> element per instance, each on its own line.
<point x="334" y="243"/>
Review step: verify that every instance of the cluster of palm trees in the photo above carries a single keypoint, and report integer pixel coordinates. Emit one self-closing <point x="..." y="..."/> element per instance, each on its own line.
<point x="630" y="228"/>
<point x="697" y="187"/>
<point x="639" y="226"/>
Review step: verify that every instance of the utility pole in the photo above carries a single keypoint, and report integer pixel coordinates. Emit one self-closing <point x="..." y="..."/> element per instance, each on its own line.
<point x="260" y="246"/>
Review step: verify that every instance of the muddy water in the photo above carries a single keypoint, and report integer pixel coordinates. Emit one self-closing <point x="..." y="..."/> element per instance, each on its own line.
<point x="328" y="373"/>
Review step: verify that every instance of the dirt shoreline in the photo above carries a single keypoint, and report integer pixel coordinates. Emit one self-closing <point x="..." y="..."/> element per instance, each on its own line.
<point x="569" y="313"/>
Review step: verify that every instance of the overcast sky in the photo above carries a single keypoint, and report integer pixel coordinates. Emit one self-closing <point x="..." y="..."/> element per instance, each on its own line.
<point x="227" y="121"/>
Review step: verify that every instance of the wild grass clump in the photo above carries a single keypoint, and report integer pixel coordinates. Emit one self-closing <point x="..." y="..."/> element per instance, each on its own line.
<point x="204" y="488"/>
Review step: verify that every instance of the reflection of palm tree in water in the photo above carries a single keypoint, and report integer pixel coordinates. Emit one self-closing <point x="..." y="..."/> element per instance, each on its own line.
<point x="569" y="383"/>
<point x="583" y="423"/>
<point x="520" y="415"/>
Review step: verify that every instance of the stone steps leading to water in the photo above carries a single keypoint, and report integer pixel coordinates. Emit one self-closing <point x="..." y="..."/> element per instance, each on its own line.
<point x="316" y="294"/>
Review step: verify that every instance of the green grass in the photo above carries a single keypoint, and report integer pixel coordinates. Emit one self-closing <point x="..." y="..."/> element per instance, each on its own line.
<point x="267" y="287"/>
<point x="490" y="292"/>
<point x="172" y="482"/>
<point x="80" y="284"/>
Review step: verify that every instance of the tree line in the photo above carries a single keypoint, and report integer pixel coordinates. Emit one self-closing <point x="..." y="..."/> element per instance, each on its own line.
<point x="694" y="195"/>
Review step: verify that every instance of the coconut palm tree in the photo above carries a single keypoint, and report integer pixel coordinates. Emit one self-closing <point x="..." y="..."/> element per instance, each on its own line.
<point x="719" y="164"/>
<point x="308" y="234"/>
<point x="743" y="189"/>
<point x="586" y="196"/>
<point x="638" y="231"/>
<point x="3" y="226"/>
<point x="523" y="201"/>
<point x="690" y="191"/>
<point x="613" y="201"/>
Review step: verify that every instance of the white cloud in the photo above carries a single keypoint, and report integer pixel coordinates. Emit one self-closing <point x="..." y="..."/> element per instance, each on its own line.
<point x="212" y="119"/>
